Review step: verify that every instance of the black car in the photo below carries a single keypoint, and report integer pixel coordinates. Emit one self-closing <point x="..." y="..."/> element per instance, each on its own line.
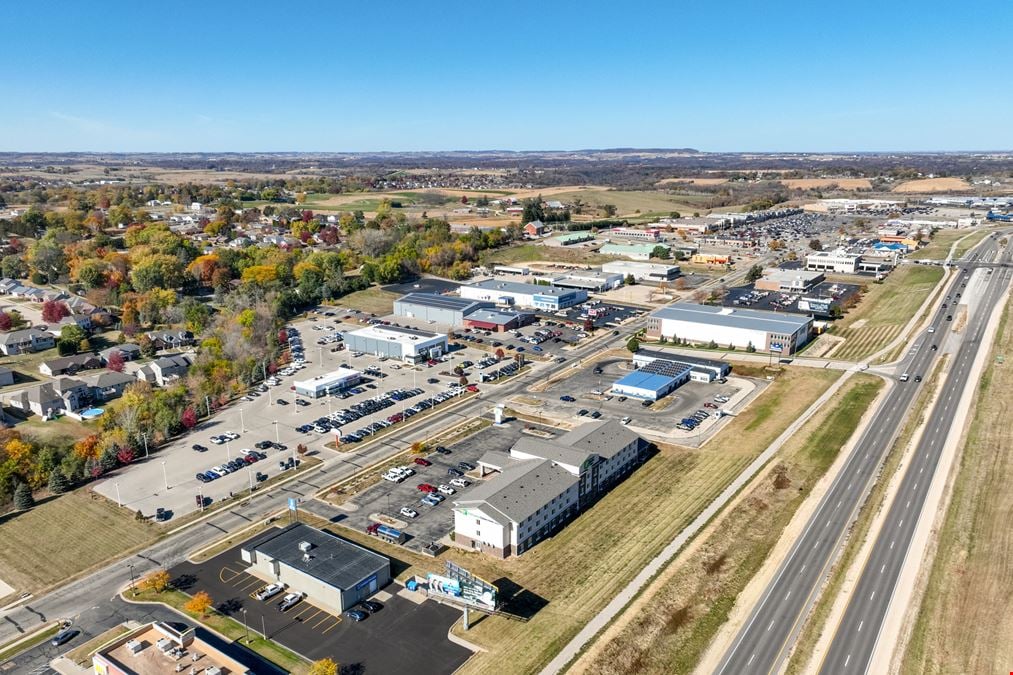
<point x="64" y="636"/>
<point x="202" y="478"/>
<point x="934" y="347"/>
<point x="454" y="472"/>
<point x="200" y="448"/>
<point x="262" y="445"/>
<point x="281" y="401"/>
<point x="371" y="606"/>
<point x="442" y="450"/>
<point x="918" y="378"/>
<point x="356" y="615"/>
<point x="464" y="466"/>
<point x="648" y="403"/>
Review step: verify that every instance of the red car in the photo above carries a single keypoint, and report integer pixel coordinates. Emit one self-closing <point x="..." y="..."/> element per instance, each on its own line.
<point x="426" y="487"/>
<point x="422" y="461"/>
<point x="708" y="404"/>
<point x="471" y="387"/>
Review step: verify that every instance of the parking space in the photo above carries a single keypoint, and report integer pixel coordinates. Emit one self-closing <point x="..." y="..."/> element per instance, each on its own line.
<point x="747" y="296"/>
<point x="431" y="522"/>
<point x="402" y="637"/>
<point x="661" y="418"/>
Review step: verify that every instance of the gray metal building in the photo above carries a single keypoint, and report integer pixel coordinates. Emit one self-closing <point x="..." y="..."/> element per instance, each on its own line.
<point x="334" y="573"/>
<point x="396" y="342"/>
<point x="447" y="310"/>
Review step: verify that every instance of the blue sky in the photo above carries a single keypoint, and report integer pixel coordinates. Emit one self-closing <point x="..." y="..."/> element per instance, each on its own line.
<point x="359" y="76"/>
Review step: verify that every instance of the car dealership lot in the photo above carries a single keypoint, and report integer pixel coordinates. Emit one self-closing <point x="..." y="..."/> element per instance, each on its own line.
<point x="168" y="479"/>
<point x="403" y="637"/>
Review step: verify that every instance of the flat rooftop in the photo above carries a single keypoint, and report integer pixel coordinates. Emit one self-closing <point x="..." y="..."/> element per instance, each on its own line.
<point x="726" y="317"/>
<point x="327" y="378"/>
<point x="333" y="560"/>
<point x="150" y="660"/>
<point x="437" y="301"/>
<point x="520" y="287"/>
<point x="395" y="333"/>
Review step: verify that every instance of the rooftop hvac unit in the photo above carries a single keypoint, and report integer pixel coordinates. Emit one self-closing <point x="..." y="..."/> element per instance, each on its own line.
<point x="305" y="546"/>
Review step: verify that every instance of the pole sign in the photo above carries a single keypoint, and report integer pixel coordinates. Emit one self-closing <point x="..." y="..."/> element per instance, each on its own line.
<point x="293" y="504"/>
<point x="776" y="347"/>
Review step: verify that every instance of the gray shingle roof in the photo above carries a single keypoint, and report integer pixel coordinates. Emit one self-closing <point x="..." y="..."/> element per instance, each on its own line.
<point x="521" y="488"/>
<point x="332" y="560"/>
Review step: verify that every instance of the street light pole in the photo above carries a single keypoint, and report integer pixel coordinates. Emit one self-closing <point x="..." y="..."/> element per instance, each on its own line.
<point x="119" y="502"/>
<point x="250" y="474"/>
<point x="246" y="628"/>
<point x="133" y="591"/>
<point x="228" y="449"/>
<point x="277" y="433"/>
<point x="145" y="437"/>
<point x="242" y="420"/>
<point x="165" y="478"/>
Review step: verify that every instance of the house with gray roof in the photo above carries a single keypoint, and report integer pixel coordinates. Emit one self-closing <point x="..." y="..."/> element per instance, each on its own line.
<point x="127" y="350"/>
<point x="108" y="385"/>
<point x="540" y="485"/>
<point x="25" y="341"/>
<point x="164" y="369"/>
<point x="68" y="365"/>
<point x="64" y="394"/>
<point x="6" y="376"/>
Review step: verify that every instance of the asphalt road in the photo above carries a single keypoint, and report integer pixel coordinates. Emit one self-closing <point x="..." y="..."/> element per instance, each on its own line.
<point x="855" y="640"/>
<point x="774" y="624"/>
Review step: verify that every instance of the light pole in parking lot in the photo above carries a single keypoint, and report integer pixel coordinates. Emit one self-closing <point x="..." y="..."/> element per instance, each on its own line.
<point x="246" y="628"/>
<point x="228" y="449"/>
<point x="119" y="502"/>
<point x="145" y="437"/>
<point x="200" y="494"/>
<point x="249" y="473"/>
<point x="277" y="434"/>
<point x="165" y="478"/>
<point x="133" y="591"/>
<point x="242" y="421"/>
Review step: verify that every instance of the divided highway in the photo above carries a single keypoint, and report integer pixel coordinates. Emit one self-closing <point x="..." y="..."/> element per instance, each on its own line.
<point x="854" y="642"/>
<point x="763" y="643"/>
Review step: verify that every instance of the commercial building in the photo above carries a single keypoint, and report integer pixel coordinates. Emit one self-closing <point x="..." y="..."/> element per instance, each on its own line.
<point x="590" y="280"/>
<point x="547" y="298"/>
<point x="788" y="281"/>
<point x="648" y="234"/>
<point x="643" y="271"/>
<point x="741" y="328"/>
<point x="334" y="381"/>
<point x="404" y="344"/>
<point x="840" y="262"/>
<point x="710" y="259"/>
<point x="574" y="238"/>
<point x="158" y="648"/>
<point x="499" y="320"/>
<point x="540" y="485"/>
<point x="631" y="251"/>
<point x="853" y="205"/>
<point x="446" y="310"/>
<point x="334" y="573"/>
<point x="701" y="369"/>
<point x="654" y="380"/>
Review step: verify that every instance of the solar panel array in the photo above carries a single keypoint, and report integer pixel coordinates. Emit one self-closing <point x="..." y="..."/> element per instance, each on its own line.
<point x="666" y="368"/>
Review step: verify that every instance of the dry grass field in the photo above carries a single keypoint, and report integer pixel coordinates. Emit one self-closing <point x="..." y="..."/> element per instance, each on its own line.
<point x="667" y="629"/>
<point x="939" y="247"/>
<point x="842" y="183"/>
<point x="693" y="181"/>
<point x="932" y="185"/>
<point x="631" y="203"/>
<point x="64" y="536"/>
<point x="963" y="623"/>
<point x="374" y="300"/>
<point x="884" y="311"/>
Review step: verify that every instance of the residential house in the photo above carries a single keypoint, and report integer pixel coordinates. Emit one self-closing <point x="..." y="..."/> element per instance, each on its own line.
<point x="170" y="339"/>
<point x="108" y="385"/>
<point x="49" y="398"/>
<point x="6" y="376"/>
<point x="25" y="341"/>
<point x="127" y="350"/>
<point x="165" y="369"/>
<point x="535" y="228"/>
<point x="68" y="365"/>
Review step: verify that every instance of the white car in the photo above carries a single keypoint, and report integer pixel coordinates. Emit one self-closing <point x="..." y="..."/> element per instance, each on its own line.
<point x="231" y="435"/>
<point x="217" y="440"/>
<point x="409" y="513"/>
<point x="459" y="482"/>
<point x="447" y="490"/>
<point x="268" y="592"/>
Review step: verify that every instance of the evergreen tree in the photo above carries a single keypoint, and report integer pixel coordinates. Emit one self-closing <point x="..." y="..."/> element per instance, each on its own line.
<point x="23" y="499"/>
<point x="58" y="483"/>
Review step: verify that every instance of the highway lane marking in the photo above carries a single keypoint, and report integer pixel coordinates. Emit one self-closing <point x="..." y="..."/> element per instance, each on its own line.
<point x="846" y="660"/>
<point x="787" y="595"/>
<point x="908" y="504"/>
<point x="860" y="624"/>
<point x="751" y="658"/>
<point x="872" y="597"/>
<point x="882" y="569"/>
<point x="770" y="626"/>
<point x="891" y="544"/>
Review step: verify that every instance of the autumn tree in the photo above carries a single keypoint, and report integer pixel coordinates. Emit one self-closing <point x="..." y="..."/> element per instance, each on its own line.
<point x="156" y="581"/>
<point x="323" y="667"/>
<point x="115" y="362"/>
<point x="189" y="418"/>
<point x="5" y="321"/>
<point x="53" y="311"/>
<point x="199" y="604"/>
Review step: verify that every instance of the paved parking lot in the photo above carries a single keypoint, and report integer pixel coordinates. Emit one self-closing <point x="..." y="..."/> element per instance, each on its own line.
<point x="169" y="481"/>
<point x="746" y="296"/>
<point x="433" y="522"/>
<point x="659" y="419"/>
<point x="403" y="637"/>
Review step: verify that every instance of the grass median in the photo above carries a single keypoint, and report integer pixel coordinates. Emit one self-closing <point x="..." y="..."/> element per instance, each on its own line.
<point x="668" y="628"/>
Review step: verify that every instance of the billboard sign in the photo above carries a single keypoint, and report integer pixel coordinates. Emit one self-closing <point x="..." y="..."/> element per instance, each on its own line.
<point x="776" y="347"/>
<point x="461" y="585"/>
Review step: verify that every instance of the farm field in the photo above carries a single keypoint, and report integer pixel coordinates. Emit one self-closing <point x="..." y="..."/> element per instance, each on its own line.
<point x="63" y="536"/>
<point x="667" y="628"/>
<point x="963" y="622"/>
<point x="932" y="185"/>
<point x="842" y="183"/>
<point x="629" y="202"/>
<point x="884" y="311"/>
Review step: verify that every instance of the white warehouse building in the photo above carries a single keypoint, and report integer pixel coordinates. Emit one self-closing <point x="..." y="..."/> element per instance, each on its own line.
<point x="547" y="298"/>
<point x="336" y="380"/>
<point x="776" y="332"/>
<point x="838" y="261"/>
<point x="643" y="271"/>
<point x="396" y="342"/>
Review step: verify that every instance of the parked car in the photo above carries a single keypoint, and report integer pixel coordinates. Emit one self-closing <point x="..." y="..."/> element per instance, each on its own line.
<point x="289" y="601"/>
<point x="64" y="636"/>
<point x="422" y="461"/>
<point x="426" y="487"/>
<point x="442" y="450"/>
<point x="409" y="513"/>
<point x="567" y="398"/>
<point x="447" y="490"/>
<point x="200" y="448"/>
<point x="356" y="615"/>
<point x="371" y="606"/>
<point x="268" y="592"/>
<point x="454" y="472"/>
<point x="465" y="466"/>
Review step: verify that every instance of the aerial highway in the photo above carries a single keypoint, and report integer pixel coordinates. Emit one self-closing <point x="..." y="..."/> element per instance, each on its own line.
<point x="766" y="638"/>
<point x="855" y="639"/>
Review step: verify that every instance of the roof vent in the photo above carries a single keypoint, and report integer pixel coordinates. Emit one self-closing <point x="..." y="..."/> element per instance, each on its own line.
<point x="305" y="546"/>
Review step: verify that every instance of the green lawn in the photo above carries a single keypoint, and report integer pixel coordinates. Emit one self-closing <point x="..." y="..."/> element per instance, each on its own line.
<point x="536" y="253"/>
<point x="373" y="299"/>
<point x="64" y="536"/>
<point x="884" y="311"/>
<point x="940" y="245"/>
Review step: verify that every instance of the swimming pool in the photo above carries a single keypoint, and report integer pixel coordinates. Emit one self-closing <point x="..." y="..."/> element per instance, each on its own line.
<point x="91" y="413"/>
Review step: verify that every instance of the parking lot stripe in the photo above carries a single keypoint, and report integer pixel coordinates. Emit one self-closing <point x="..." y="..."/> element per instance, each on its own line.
<point x="233" y="574"/>
<point x="302" y="610"/>
<point x="322" y="620"/>
<point x="307" y="619"/>
<point x="249" y="584"/>
<point x="337" y="620"/>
